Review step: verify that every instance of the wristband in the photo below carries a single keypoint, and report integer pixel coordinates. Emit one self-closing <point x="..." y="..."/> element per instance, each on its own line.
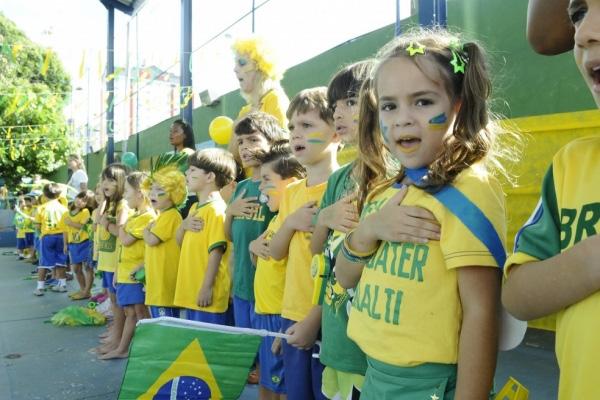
<point x="356" y="256"/>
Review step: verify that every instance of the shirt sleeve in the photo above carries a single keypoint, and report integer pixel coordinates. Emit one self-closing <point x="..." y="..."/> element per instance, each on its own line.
<point x="165" y="226"/>
<point x="216" y="230"/>
<point x="276" y="105"/>
<point x="539" y="238"/>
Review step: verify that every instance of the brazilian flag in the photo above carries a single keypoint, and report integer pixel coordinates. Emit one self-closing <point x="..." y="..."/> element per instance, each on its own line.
<point x="176" y="359"/>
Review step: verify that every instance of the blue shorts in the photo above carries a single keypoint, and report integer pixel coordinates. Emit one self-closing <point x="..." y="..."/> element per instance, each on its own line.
<point x="107" y="281"/>
<point x="130" y="293"/>
<point x="203" y="316"/>
<point x="157" y="311"/>
<point x="52" y="252"/>
<point x="303" y="373"/>
<point x="243" y="313"/>
<point x="271" y="365"/>
<point x="21" y="243"/>
<point x="29" y="239"/>
<point x="37" y="245"/>
<point x="79" y="252"/>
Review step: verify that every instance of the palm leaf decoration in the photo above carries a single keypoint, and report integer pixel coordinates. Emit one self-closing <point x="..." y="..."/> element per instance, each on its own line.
<point x="178" y="160"/>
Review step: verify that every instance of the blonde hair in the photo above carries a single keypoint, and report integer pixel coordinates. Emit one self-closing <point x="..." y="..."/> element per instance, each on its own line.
<point x="172" y="180"/>
<point x="474" y="133"/>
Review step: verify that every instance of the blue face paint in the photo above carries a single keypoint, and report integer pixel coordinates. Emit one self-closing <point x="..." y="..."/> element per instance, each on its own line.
<point x="242" y="62"/>
<point x="439" y="121"/>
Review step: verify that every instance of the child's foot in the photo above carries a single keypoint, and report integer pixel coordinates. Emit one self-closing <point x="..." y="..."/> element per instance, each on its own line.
<point x="113" y="355"/>
<point x="74" y="293"/>
<point x="59" y="289"/>
<point x="80" y="296"/>
<point x="38" y="292"/>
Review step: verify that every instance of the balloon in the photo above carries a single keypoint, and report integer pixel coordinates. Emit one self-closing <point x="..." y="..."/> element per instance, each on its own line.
<point x="130" y="159"/>
<point x="220" y="129"/>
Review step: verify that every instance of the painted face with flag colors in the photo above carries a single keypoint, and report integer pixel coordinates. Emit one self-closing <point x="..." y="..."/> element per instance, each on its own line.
<point x="309" y="136"/>
<point x="246" y="72"/>
<point x="271" y="186"/>
<point x="415" y="112"/>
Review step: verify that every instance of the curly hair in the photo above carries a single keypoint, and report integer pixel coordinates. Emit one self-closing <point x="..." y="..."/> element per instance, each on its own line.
<point x="172" y="180"/>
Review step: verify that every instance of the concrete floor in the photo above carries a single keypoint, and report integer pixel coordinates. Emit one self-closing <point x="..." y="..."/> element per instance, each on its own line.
<point x="42" y="361"/>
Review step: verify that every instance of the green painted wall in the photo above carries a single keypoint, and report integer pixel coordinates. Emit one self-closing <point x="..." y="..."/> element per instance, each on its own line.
<point x="525" y="83"/>
<point x="531" y="84"/>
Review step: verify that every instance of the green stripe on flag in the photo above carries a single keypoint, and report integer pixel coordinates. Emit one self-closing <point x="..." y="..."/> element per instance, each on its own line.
<point x="185" y="362"/>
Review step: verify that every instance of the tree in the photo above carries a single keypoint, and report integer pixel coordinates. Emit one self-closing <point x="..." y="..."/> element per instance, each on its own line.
<point x="33" y="91"/>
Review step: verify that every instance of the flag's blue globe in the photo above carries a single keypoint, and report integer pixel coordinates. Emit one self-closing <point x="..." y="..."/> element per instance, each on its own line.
<point x="184" y="388"/>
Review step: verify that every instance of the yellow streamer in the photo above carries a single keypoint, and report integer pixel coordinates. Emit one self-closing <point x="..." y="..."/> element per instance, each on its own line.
<point x="46" y="64"/>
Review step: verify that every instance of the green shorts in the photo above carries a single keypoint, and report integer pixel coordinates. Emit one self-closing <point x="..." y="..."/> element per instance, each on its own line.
<point x="341" y="385"/>
<point x="426" y="381"/>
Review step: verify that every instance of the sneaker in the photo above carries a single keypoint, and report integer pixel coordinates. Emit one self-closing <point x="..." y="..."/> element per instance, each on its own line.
<point x="59" y="289"/>
<point x="51" y="282"/>
<point x="38" y="292"/>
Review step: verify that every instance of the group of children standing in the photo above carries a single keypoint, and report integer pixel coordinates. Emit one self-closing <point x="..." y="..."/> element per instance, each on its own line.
<point x="384" y="289"/>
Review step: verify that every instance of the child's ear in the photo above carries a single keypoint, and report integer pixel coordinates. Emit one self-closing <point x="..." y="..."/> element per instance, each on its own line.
<point x="211" y="177"/>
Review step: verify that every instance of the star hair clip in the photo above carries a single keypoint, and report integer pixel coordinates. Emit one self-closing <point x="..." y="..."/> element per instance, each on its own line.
<point x="459" y="59"/>
<point x="415" y="48"/>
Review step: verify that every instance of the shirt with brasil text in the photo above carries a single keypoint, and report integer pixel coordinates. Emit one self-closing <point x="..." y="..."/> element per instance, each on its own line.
<point x="567" y="213"/>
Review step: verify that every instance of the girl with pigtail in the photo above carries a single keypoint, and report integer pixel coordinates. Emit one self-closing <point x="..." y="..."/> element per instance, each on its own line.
<point x="425" y="311"/>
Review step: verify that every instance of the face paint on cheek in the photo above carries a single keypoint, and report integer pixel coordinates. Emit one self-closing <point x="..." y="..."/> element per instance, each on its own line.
<point x="439" y="122"/>
<point x="384" y="131"/>
<point x="315" y="137"/>
<point x="355" y="118"/>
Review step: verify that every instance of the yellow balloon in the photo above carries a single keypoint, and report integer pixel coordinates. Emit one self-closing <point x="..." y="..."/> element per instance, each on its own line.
<point x="220" y="129"/>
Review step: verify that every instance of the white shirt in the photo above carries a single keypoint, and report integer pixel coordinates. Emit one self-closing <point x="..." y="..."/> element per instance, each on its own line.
<point x="77" y="179"/>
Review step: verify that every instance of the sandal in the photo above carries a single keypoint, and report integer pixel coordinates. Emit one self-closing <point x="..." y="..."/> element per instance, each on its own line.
<point x="80" y="296"/>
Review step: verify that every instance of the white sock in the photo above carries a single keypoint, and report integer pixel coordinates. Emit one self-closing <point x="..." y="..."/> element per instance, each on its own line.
<point x="62" y="282"/>
<point x="40" y="284"/>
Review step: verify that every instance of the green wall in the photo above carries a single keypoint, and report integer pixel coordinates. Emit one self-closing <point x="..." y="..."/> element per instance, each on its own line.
<point x="525" y="83"/>
<point x="531" y="84"/>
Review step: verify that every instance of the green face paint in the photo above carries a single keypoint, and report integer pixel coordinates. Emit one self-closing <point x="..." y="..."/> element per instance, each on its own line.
<point x="384" y="131"/>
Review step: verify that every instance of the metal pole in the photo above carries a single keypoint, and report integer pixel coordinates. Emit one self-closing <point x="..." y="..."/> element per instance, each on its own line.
<point x="110" y="87"/>
<point x="432" y="13"/>
<point x="397" y="31"/>
<point x="253" y="11"/>
<point x="186" y="54"/>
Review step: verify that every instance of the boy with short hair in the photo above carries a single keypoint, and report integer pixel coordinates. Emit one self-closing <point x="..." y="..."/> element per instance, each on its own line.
<point x="52" y="254"/>
<point x="314" y="143"/>
<point x="203" y="280"/>
<point x="246" y="219"/>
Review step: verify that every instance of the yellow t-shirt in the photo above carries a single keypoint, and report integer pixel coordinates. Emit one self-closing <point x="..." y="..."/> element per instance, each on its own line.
<point x="132" y="256"/>
<point x="407" y="299"/>
<point x="274" y="103"/>
<point x="28" y="226"/>
<point x="95" y="219"/>
<point x="108" y="245"/>
<point x="193" y="261"/>
<point x="269" y="280"/>
<point x="297" y="293"/>
<point x="567" y="213"/>
<point x="49" y="216"/>
<point x="162" y="261"/>
<point x="75" y="235"/>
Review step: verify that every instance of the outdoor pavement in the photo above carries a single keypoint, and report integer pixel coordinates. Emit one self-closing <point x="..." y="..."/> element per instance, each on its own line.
<point x="42" y="361"/>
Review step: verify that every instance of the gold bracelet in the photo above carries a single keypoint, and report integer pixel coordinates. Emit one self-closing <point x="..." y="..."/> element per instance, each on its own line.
<point x="355" y="253"/>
